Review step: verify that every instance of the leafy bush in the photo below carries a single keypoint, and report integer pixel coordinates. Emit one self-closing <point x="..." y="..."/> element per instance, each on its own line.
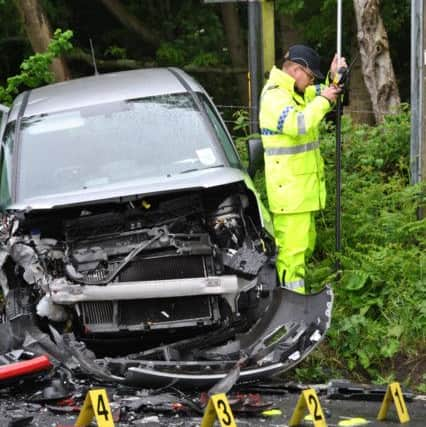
<point x="35" y="69"/>
<point x="380" y="299"/>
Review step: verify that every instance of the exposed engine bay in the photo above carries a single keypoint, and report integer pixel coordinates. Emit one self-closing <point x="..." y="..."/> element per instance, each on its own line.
<point x="186" y="278"/>
<point x="142" y="265"/>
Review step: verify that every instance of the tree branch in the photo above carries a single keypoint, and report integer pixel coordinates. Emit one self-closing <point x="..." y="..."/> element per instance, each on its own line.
<point x="132" y="22"/>
<point x="132" y="64"/>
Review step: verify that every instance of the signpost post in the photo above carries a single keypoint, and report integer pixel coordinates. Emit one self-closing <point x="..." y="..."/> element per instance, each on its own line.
<point x="261" y="50"/>
<point x="418" y="90"/>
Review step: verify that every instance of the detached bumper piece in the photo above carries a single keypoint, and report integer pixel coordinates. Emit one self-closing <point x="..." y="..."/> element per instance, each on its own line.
<point x="18" y="371"/>
<point x="289" y="329"/>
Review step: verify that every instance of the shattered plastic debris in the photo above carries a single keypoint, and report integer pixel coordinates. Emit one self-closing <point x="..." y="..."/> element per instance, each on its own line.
<point x="151" y="421"/>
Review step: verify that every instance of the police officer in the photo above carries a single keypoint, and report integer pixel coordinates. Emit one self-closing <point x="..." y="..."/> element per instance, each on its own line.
<point x="291" y="110"/>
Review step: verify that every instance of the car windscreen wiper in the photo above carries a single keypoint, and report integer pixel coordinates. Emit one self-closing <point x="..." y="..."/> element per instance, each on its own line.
<point x="201" y="169"/>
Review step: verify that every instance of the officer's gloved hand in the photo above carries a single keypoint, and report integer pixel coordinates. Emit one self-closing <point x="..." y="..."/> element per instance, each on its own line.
<point x="331" y="93"/>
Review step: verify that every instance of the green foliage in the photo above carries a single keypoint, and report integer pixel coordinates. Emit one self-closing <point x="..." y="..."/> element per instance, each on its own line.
<point x="379" y="308"/>
<point x="35" y="69"/>
<point x="197" y="38"/>
<point x="422" y="386"/>
<point x="115" y="52"/>
<point x="380" y="300"/>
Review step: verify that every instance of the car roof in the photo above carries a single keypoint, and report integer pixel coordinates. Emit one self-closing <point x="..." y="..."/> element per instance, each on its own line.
<point x="104" y="88"/>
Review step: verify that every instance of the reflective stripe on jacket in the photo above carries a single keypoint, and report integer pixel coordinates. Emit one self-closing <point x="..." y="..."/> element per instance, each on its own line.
<point x="289" y="122"/>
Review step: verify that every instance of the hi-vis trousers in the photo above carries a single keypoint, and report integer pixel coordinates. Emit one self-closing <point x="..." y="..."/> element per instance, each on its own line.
<point x="295" y="237"/>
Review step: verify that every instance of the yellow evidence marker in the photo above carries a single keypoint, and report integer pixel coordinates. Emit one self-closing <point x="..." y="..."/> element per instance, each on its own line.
<point x="394" y="393"/>
<point x="308" y="401"/>
<point x="95" y="405"/>
<point x="218" y="407"/>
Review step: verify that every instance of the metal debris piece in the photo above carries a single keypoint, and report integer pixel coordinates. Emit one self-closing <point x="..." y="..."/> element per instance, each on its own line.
<point x="19" y="419"/>
<point x="152" y="421"/>
<point x="226" y="383"/>
<point x="149" y="402"/>
<point x="345" y="390"/>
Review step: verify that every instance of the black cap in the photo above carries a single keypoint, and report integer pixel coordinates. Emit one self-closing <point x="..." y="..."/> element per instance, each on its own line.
<point x="306" y="56"/>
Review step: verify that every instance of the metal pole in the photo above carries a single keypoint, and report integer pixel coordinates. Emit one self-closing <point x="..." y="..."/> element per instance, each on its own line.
<point x="255" y="63"/>
<point x="339" y="28"/>
<point x="416" y="88"/>
<point x="338" y="225"/>
<point x="422" y="145"/>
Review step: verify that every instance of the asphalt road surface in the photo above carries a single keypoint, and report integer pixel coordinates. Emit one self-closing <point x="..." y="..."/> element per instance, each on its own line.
<point x="17" y="411"/>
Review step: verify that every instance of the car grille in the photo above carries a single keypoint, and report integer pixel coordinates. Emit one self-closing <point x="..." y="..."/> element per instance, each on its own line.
<point x="163" y="310"/>
<point x="164" y="268"/>
<point x="149" y="313"/>
<point x="99" y="312"/>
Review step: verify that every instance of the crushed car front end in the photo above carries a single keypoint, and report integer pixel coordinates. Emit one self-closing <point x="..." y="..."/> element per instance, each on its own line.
<point x="132" y="223"/>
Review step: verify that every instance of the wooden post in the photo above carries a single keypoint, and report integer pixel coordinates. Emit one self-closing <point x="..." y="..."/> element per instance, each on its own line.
<point x="268" y="35"/>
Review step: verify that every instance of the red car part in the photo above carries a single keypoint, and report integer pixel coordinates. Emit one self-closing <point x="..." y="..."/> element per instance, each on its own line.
<point x="26" y="367"/>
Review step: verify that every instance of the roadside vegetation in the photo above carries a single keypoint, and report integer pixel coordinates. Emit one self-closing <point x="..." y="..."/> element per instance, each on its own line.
<point x="378" y="330"/>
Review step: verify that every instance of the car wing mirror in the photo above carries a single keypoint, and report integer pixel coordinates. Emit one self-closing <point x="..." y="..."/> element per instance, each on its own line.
<point x="255" y="155"/>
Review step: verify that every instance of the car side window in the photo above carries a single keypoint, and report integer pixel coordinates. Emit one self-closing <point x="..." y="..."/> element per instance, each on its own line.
<point x="222" y="135"/>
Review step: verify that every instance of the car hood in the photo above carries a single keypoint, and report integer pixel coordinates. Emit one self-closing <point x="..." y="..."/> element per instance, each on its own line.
<point x="142" y="187"/>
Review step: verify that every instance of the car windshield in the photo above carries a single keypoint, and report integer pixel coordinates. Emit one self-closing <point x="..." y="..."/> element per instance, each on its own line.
<point x="159" y="136"/>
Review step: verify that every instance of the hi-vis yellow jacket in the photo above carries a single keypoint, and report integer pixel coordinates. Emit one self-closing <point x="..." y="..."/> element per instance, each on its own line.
<point x="294" y="168"/>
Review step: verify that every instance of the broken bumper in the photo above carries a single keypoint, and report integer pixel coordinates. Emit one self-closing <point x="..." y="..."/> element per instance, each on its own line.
<point x="292" y="326"/>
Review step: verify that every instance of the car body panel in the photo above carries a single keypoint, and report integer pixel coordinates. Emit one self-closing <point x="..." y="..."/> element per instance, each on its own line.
<point x="207" y="178"/>
<point x="104" y="88"/>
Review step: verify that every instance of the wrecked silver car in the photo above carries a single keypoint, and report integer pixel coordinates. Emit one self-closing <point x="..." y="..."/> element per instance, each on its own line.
<point x="129" y="221"/>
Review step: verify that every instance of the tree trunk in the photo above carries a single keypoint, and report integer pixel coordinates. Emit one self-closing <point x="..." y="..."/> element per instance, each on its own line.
<point x="132" y="22"/>
<point x="376" y="62"/>
<point x="236" y="46"/>
<point x="359" y="108"/>
<point x="39" y="34"/>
